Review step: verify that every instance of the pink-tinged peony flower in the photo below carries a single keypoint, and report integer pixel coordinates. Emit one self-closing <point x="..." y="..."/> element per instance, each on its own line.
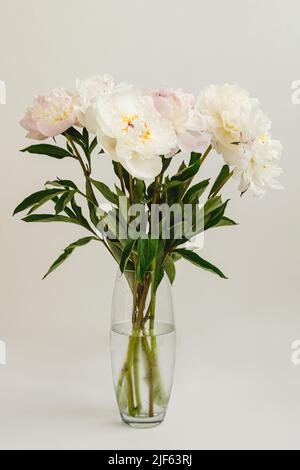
<point x="180" y="109"/>
<point x="50" y="115"/>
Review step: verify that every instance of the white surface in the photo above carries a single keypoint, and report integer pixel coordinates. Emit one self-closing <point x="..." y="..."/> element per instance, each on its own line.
<point x="228" y="393"/>
<point x="235" y="386"/>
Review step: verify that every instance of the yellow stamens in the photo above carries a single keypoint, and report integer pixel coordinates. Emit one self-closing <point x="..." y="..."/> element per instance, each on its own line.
<point x="147" y="134"/>
<point x="129" y="121"/>
<point x="63" y="116"/>
<point x="263" y="138"/>
<point x="232" y="127"/>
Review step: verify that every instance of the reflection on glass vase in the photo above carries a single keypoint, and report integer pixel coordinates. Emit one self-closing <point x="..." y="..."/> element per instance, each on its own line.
<point x="142" y="348"/>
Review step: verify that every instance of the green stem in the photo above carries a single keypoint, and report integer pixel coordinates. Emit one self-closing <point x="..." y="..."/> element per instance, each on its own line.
<point x="149" y="357"/>
<point x="205" y="155"/>
<point x="142" y="303"/>
<point x="130" y="399"/>
<point x="131" y="189"/>
<point x="222" y="185"/>
<point x="85" y="170"/>
<point x="130" y="370"/>
<point x="156" y="190"/>
<point x="120" y="171"/>
<point x="120" y="384"/>
<point x="136" y="374"/>
<point x="153" y="343"/>
<point x="134" y="293"/>
<point x="91" y="194"/>
<point x="153" y="299"/>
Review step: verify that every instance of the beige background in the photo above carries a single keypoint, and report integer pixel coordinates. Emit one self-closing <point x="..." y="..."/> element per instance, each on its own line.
<point x="235" y="385"/>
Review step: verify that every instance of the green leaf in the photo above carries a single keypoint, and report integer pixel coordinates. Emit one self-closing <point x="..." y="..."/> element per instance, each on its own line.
<point x="146" y="252"/>
<point x="169" y="267"/>
<point x="67" y="252"/>
<point x="93" y="213"/>
<point x="69" y="148"/>
<point x="92" y="203"/>
<point x="222" y="177"/>
<point x="53" y="183"/>
<point x="212" y="204"/>
<point x="106" y="192"/>
<point x="184" y="178"/>
<point x="126" y="254"/>
<point x="215" y="217"/>
<point x="41" y="203"/>
<point x="200" y="262"/>
<point x="75" y="135"/>
<point x="159" y="271"/>
<point x="80" y="139"/>
<point x="49" y="218"/>
<point x="159" y="275"/>
<point x="116" y="249"/>
<point x="195" y="157"/>
<point x="79" y="215"/>
<point x="225" y="222"/>
<point x="182" y="167"/>
<point x="187" y="173"/>
<point x="120" y="192"/>
<point x="64" y="200"/>
<point x="50" y="150"/>
<point x="139" y="191"/>
<point x="86" y="137"/>
<point x="70" y="213"/>
<point x="67" y="183"/>
<point x="172" y="184"/>
<point x="125" y="174"/>
<point x="195" y="192"/>
<point x="93" y="145"/>
<point x="35" y="198"/>
<point x="166" y="162"/>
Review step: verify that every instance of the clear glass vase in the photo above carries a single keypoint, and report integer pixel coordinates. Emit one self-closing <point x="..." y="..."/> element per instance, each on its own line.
<point x="142" y="348"/>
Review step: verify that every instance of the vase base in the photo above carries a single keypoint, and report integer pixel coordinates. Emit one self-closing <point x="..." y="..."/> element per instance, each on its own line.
<point x="142" y="422"/>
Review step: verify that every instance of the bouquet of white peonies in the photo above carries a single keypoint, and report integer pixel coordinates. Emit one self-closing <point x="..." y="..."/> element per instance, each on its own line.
<point x="151" y="218"/>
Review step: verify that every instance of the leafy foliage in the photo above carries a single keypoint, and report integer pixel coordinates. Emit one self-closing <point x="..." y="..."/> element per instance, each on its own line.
<point x="49" y="150"/>
<point x="105" y="191"/>
<point x="148" y="252"/>
<point x="200" y="262"/>
<point x="67" y="252"/>
<point x="40" y="197"/>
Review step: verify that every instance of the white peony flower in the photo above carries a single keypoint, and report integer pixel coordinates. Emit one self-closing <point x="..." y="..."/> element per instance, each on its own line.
<point x="132" y="132"/>
<point x="88" y="92"/>
<point x="241" y="133"/>
<point x="261" y="170"/>
<point x="180" y="109"/>
<point x="233" y="117"/>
